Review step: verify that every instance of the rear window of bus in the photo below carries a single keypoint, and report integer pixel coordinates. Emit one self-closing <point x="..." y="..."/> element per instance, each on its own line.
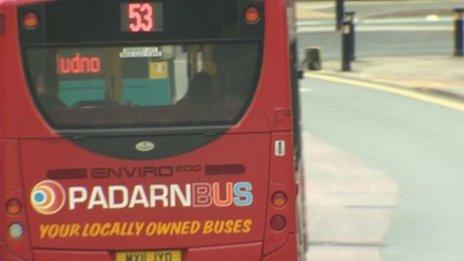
<point x="144" y="86"/>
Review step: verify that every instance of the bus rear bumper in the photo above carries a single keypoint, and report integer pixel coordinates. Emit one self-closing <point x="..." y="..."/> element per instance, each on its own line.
<point x="250" y="251"/>
<point x="51" y="255"/>
<point x="5" y="255"/>
<point x="287" y="252"/>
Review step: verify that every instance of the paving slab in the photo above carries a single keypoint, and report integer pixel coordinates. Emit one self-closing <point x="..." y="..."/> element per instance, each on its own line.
<point x="349" y="204"/>
<point x="435" y="74"/>
<point x="333" y="253"/>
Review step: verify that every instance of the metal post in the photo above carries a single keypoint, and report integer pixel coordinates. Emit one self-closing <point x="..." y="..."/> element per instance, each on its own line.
<point x="313" y="58"/>
<point x="350" y="16"/>
<point x="339" y="9"/>
<point x="458" y="31"/>
<point x="346" y="46"/>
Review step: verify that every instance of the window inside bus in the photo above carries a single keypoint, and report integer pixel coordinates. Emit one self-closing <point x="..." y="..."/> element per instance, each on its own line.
<point x="144" y="86"/>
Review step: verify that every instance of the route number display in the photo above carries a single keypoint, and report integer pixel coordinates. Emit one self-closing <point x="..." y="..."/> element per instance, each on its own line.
<point x="141" y="17"/>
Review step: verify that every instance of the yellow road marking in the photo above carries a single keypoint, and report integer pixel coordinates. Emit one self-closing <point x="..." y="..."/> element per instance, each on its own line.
<point x="385" y="88"/>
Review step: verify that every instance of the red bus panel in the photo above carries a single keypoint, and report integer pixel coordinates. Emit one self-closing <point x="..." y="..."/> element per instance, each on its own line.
<point x="108" y="157"/>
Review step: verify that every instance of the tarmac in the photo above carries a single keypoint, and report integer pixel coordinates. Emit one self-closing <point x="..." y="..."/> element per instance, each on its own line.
<point x="349" y="204"/>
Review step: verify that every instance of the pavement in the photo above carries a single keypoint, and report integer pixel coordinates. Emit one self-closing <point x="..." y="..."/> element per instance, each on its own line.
<point x="378" y="9"/>
<point x="437" y="75"/>
<point x="351" y="204"/>
<point x="307" y="10"/>
<point x="345" y="192"/>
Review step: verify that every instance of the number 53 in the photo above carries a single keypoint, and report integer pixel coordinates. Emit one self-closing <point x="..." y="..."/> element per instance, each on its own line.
<point x="141" y="16"/>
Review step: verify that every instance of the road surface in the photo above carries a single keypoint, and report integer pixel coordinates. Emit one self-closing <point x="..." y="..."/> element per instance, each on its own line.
<point x="420" y="146"/>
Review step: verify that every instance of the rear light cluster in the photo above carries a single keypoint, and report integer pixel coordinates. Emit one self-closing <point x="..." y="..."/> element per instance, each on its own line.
<point x="15" y="230"/>
<point x="279" y="200"/>
<point x="278" y="222"/>
<point x="14" y="207"/>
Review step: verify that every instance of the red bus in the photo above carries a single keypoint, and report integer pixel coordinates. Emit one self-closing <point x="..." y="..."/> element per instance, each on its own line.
<point x="162" y="130"/>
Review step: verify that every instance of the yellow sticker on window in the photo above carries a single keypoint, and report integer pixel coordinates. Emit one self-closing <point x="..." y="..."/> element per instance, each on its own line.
<point x="159" y="70"/>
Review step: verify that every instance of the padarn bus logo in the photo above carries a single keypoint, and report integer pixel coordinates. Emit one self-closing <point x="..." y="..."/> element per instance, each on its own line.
<point x="48" y="197"/>
<point x="78" y="64"/>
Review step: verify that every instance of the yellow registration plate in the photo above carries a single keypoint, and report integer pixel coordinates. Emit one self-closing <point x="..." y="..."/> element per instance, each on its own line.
<point x="168" y="255"/>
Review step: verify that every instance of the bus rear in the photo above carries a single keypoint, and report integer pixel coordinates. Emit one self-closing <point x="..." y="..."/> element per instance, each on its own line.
<point x="151" y="130"/>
